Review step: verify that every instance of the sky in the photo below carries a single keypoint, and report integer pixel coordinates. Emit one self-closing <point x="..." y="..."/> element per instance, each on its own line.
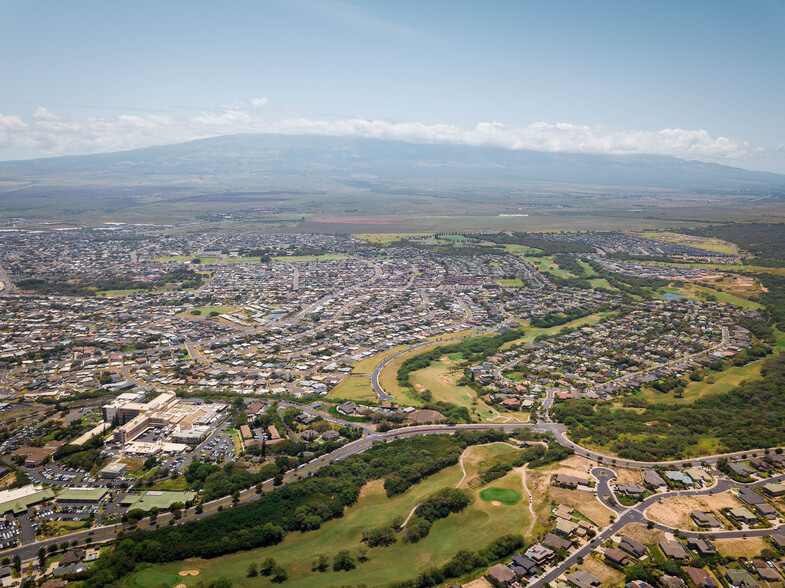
<point x="698" y="80"/>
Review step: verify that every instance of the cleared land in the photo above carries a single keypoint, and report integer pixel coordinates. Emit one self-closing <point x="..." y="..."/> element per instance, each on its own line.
<point x="642" y="533"/>
<point x="473" y="528"/>
<point x="607" y="575"/>
<point x="746" y="547"/>
<point x="675" y="512"/>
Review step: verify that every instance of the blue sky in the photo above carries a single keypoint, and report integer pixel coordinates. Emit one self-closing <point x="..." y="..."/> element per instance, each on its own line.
<point x="700" y="80"/>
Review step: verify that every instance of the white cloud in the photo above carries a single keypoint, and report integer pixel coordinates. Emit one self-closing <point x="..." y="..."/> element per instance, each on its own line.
<point x="49" y="134"/>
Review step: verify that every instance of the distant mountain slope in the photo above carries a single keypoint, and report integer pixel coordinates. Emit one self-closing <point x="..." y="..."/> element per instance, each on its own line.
<point x="345" y="159"/>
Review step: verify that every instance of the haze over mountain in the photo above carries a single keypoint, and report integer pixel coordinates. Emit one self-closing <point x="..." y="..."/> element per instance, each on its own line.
<point x="294" y="161"/>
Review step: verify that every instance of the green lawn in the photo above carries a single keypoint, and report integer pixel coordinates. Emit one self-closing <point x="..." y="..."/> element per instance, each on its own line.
<point x="504" y="495"/>
<point x="475" y="527"/>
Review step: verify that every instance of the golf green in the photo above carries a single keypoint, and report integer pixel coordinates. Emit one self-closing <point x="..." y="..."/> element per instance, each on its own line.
<point x="503" y="495"/>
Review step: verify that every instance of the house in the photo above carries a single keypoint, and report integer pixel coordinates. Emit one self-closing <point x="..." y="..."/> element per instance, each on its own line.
<point x="555" y="542"/>
<point x="539" y="554"/>
<point x="680" y="477"/>
<point x="76" y="568"/>
<point x="638" y="584"/>
<point x="700" y="578"/>
<point x="565" y="528"/>
<point x="704" y="520"/>
<point x="702" y="547"/>
<point x="740" y="469"/>
<point x="330" y="435"/>
<point x="767" y="511"/>
<point x="764" y="572"/>
<point x="309" y="435"/>
<point x="73" y="556"/>
<point x="673" y="549"/>
<point x="742" y="515"/>
<point x="616" y="556"/>
<point x="760" y="464"/>
<point x="774" y="489"/>
<point x="633" y="547"/>
<point x="584" y="579"/>
<point x="749" y="496"/>
<point x="523" y="566"/>
<point x="501" y="574"/>
<point x="347" y="408"/>
<point x="778" y="540"/>
<point x="631" y="490"/>
<point x="652" y="478"/>
<point x="671" y="581"/>
<point x="740" y="578"/>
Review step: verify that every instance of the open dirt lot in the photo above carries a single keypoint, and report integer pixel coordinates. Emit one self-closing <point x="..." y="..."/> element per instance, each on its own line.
<point x="641" y="533"/>
<point x="675" y="512"/>
<point x="607" y="575"/>
<point x="584" y="502"/>
<point x="749" y="547"/>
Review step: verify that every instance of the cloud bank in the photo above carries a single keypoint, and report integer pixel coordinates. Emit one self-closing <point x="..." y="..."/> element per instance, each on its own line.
<point x="50" y="134"/>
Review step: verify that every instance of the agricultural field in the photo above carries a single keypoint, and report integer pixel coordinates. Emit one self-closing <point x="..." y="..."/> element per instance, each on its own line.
<point x="479" y="524"/>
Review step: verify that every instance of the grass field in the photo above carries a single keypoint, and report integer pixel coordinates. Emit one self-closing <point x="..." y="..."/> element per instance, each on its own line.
<point x="702" y="293"/>
<point x="533" y="332"/>
<point x="367" y="365"/>
<point x="388" y="378"/>
<point x="356" y="389"/>
<point x="707" y="243"/>
<point x="717" y="383"/>
<point x="503" y="495"/>
<point x="513" y="283"/>
<point x="440" y="378"/>
<point x="475" y="527"/>
<point x="445" y="336"/>
<point x="521" y="249"/>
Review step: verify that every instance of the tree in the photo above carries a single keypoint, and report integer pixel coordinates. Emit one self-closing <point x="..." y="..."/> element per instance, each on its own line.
<point x="266" y="569"/>
<point x="42" y="559"/>
<point x="253" y="570"/>
<point x="344" y="560"/>
<point x="320" y="564"/>
<point x="362" y="553"/>
<point x="17" y="564"/>
<point x="279" y="574"/>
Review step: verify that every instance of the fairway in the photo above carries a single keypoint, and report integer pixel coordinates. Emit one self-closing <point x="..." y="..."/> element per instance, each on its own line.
<point x="475" y="527"/>
<point x="504" y="495"/>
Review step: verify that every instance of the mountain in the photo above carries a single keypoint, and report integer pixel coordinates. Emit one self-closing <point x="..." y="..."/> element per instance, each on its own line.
<point x="295" y="161"/>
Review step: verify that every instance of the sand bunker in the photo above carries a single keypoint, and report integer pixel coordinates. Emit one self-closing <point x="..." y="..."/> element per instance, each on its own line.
<point x="189" y="573"/>
<point x="496" y="503"/>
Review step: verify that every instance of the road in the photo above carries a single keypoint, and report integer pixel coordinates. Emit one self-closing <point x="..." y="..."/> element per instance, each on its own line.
<point x="8" y="285"/>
